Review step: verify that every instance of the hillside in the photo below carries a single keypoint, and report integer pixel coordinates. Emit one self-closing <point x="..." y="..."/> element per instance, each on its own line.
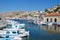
<point x="53" y="9"/>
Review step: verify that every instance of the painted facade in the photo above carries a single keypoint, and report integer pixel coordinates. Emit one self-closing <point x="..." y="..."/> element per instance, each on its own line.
<point x="52" y="17"/>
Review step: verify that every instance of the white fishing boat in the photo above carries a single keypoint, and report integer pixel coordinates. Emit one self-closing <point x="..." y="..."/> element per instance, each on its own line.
<point x="43" y="23"/>
<point x="25" y="34"/>
<point x="17" y="38"/>
<point x="13" y="32"/>
<point x="50" y="23"/>
<point x="15" y="24"/>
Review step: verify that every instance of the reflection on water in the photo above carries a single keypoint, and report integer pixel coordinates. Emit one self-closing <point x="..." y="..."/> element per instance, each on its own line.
<point x="41" y="32"/>
<point x="52" y="29"/>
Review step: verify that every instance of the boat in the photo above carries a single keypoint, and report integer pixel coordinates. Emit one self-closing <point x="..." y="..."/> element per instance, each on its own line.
<point x="31" y="21"/>
<point x="14" y="24"/>
<point x="25" y="34"/>
<point x="12" y="32"/>
<point x="17" y="25"/>
<point x="58" y="24"/>
<point x="43" y="23"/>
<point x="50" y="23"/>
<point x="17" y="38"/>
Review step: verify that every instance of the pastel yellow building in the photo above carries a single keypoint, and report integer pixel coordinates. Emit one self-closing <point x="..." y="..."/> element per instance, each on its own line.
<point x="52" y="17"/>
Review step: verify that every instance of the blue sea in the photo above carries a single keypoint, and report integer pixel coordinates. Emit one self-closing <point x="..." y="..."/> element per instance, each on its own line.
<point x="39" y="32"/>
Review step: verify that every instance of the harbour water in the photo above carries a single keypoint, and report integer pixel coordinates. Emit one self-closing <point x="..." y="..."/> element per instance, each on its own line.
<point x="39" y="32"/>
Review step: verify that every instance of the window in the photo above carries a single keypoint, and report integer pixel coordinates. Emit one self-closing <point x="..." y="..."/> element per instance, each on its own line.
<point x="13" y="32"/>
<point x="7" y="36"/>
<point x="50" y="19"/>
<point x="16" y="25"/>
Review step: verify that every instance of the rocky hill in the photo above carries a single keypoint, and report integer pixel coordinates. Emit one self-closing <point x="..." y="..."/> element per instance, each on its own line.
<point x="54" y="9"/>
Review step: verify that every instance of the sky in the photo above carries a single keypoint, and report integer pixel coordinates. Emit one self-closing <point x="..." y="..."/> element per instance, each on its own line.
<point x="26" y="5"/>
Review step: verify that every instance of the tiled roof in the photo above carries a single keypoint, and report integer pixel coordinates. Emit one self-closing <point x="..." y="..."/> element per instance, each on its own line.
<point x="53" y="14"/>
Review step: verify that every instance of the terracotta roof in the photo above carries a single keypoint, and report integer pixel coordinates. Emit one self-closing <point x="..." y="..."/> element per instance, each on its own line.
<point x="53" y="14"/>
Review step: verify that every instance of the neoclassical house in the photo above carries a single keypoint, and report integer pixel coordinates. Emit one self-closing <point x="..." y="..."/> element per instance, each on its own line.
<point x="52" y="17"/>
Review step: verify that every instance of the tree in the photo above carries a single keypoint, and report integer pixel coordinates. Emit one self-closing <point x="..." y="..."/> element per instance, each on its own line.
<point x="57" y="9"/>
<point x="25" y="15"/>
<point x="31" y="15"/>
<point x="46" y="10"/>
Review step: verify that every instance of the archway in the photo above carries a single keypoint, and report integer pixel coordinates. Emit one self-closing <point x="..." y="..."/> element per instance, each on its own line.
<point x="47" y="20"/>
<point x="55" y="19"/>
<point x="0" y="18"/>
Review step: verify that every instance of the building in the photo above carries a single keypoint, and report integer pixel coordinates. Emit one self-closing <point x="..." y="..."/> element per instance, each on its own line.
<point x="53" y="17"/>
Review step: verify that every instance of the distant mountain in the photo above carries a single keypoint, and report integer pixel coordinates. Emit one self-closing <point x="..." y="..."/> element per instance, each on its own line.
<point x="54" y="9"/>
